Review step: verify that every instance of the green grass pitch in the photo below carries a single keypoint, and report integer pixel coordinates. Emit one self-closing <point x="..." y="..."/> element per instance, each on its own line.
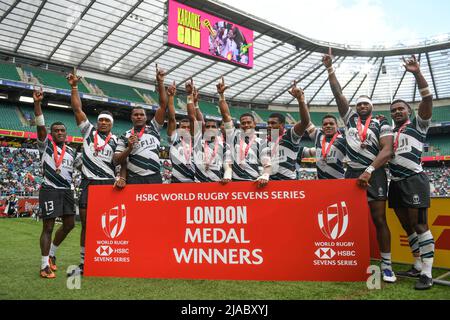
<point x="20" y="260"/>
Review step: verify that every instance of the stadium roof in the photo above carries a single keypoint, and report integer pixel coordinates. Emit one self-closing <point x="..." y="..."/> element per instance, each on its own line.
<point x="125" y="38"/>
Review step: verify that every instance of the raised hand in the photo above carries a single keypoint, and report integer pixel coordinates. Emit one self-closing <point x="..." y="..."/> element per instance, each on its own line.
<point x="160" y="74"/>
<point x="221" y="87"/>
<point x="73" y="79"/>
<point x="327" y="59"/>
<point x="195" y="95"/>
<point x="172" y="89"/>
<point x="38" y="95"/>
<point x="189" y="86"/>
<point x="297" y="92"/>
<point x="120" y="183"/>
<point x="411" y="65"/>
<point x="132" y="140"/>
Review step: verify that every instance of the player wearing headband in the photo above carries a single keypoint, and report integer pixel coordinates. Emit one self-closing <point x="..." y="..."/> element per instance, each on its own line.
<point x="99" y="145"/>
<point x="369" y="148"/>
<point x="409" y="190"/>
<point x="56" y="198"/>
<point x="284" y="144"/>
<point x="245" y="151"/>
<point x="138" y="148"/>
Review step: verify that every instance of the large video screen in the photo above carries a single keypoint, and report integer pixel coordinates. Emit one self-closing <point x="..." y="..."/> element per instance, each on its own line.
<point x="193" y="30"/>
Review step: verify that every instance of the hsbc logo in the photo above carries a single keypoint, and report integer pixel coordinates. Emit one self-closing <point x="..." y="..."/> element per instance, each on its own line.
<point x="334" y="222"/>
<point x="104" y="251"/>
<point x="325" y="253"/>
<point x="113" y="222"/>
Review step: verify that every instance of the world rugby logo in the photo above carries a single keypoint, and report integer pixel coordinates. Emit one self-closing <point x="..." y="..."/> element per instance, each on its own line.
<point x="334" y="223"/>
<point x="114" y="221"/>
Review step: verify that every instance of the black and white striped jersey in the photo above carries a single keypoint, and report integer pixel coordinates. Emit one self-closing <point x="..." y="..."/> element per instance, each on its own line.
<point x="97" y="166"/>
<point x="332" y="167"/>
<point x="361" y="158"/>
<point x="51" y="178"/>
<point x="208" y="159"/>
<point x="246" y="154"/>
<point x="407" y="159"/>
<point x="284" y="155"/>
<point x="144" y="159"/>
<point x="182" y="157"/>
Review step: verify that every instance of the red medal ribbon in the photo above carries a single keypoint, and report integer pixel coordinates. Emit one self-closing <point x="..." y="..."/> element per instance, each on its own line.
<point x="363" y="133"/>
<point x="402" y="128"/>
<point x="140" y="132"/>
<point x="243" y="154"/>
<point x="326" y="151"/>
<point x="206" y="150"/>
<point x="59" y="160"/>
<point x="96" y="147"/>
<point x="277" y="143"/>
<point x="187" y="153"/>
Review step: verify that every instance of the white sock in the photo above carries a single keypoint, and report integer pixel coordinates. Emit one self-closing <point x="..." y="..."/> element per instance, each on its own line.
<point x="418" y="263"/>
<point x="82" y="255"/>
<point x="44" y="262"/>
<point x="53" y="249"/>
<point x="426" y="246"/>
<point x="386" y="261"/>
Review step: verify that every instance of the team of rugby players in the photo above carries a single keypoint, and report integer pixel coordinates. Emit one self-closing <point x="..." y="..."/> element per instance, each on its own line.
<point x="201" y="150"/>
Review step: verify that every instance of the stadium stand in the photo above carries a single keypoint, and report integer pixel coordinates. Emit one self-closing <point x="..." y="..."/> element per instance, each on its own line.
<point x="438" y="145"/>
<point x="9" y="117"/>
<point x="49" y="78"/>
<point x="9" y="71"/>
<point x="116" y="90"/>
<point x="441" y="114"/>
<point x="19" y="172"/>
<point x="439" y="180"/>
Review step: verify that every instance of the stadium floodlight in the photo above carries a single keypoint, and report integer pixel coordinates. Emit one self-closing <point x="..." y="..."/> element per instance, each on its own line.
<point x="58" y="105"/>
<point x="26" y="99"/>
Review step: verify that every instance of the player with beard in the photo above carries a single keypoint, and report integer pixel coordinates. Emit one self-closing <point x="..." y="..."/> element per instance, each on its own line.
<point x="369" y="148"/>
<point x="284" y="143"/>
<point x="245" y="151"/>
<point x="138" y="148"/>
<point x="99" y="145"/>
<point x="56" y="199"/>
<point x="409" y="190"/>
<point x="330" y="148"/>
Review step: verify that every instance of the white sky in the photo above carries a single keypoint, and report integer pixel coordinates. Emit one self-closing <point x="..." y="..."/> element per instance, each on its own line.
<point x="363" y="22"/>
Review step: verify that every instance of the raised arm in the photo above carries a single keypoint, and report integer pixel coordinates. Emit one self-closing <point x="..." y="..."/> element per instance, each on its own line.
<point x="160" y="114"/>
<point x="198" y="112"/>
<point x="172" y="121"/>
<point x="341" y="100"/>
<point x="191" y="104"/>
<point x="75" y="100"/>
<point x="224" y="110"/>
<point x="426" y="105"/>
<point x="38" y="96"/>
<point x="305" y="118"/>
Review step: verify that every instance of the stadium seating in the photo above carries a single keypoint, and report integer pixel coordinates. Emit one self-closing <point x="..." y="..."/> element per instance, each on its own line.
<point x="8" y="71"/>
<point x="52" y="78"/>
<point x="441" y="114"/>
<point x="9" y="118"/>
<point x="439" y="145"/>
<point x="115" y="90"/>
<point x="209" y="108"/>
